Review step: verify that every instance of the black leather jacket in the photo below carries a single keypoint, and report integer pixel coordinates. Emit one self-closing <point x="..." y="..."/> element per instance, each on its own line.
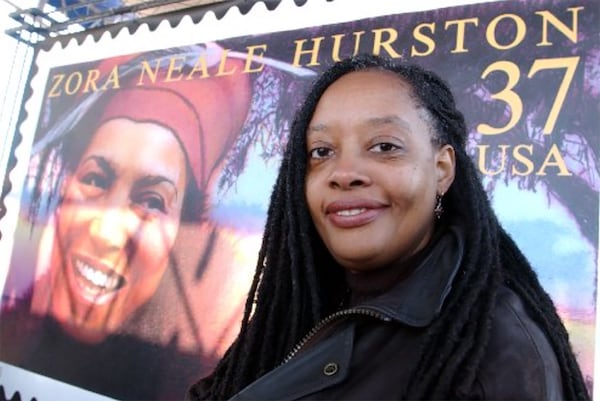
<point x="367" y="352"/>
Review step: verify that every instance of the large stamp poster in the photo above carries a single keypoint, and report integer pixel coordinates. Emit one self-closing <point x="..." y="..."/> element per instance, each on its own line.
<point x="144" y="164"/>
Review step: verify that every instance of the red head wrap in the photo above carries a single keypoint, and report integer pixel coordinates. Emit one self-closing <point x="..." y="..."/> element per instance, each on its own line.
<point x="205" y="113"/>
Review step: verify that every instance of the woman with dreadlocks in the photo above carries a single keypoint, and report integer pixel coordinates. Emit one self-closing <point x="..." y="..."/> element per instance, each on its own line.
<point x="384" y="272"/>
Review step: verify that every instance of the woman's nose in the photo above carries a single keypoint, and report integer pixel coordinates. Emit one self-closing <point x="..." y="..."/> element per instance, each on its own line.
<point x="113" y="228"/>
<point x="347" y="173"/>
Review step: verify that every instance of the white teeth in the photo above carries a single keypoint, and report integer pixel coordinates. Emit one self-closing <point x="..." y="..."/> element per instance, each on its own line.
<point x="350" y="212"/>
<point x="97" y="277"/>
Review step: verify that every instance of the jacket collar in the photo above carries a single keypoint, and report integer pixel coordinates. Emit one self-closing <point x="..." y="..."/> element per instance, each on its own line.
<point x="417" y="299"/>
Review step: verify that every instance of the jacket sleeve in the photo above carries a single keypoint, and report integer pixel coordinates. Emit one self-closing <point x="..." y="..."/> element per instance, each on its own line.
<point x="519" y="362"/>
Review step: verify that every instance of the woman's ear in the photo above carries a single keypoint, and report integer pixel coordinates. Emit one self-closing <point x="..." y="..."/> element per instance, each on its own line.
<point x="446" y="166"/>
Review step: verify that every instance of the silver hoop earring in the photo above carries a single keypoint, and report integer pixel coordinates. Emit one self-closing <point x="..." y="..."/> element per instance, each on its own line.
<point x="438" y="210"/>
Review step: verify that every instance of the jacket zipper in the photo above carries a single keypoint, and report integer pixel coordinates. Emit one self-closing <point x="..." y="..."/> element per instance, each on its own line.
<point x="327" y="320"/>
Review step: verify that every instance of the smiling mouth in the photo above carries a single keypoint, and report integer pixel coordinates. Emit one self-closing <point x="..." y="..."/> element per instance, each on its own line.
<point x="353" y="217"/>
<point x="351" y="212"/>
<point x="96" y="282"/>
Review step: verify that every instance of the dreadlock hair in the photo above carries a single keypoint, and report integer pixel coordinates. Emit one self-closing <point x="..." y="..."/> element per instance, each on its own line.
<point x="297" y="282"/>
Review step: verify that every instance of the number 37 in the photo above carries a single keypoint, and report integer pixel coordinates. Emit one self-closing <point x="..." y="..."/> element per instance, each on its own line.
<point x="514" y="102"/>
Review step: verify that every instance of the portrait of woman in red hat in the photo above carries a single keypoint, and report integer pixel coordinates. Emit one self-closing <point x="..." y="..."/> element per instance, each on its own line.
<point x="145" y="167"/>
<point x="118" y="175"/>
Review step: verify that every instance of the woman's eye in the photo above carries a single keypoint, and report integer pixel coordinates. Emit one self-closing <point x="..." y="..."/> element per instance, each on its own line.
<point x="151" y="203"/>
<point x="96" y="180"/>
<point x="384" y="147"/>
<point x="320" y="153"/>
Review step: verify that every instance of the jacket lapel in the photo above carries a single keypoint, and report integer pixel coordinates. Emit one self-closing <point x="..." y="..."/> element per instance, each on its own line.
<point x="416" y="300"/>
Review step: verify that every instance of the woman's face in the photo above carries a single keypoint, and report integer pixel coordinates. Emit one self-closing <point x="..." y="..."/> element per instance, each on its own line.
<point x="116" y="225"/>
<point x="373" y="172"/>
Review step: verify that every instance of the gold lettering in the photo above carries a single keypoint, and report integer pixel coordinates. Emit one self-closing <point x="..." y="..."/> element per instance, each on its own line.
<point x="314" y="52"/>
<point x="490" y="32"/>
<point x="78" y="78"/>
<point x="507" y="95"/>
<point x="56" y="84"/>
<point x="335" y="52"/>
<point x="482" y="159"/>
<point x="113" y="79"/>
<point x="423" y="38"/>
<point x="174" y="71"/>
<point x="91" y="81"/>
<point x="259" y="56"/>
<point x="199" y="66"/>
<point x="553" y="158"/>
<point x="523" y="159"/>
<point x="570" y="65"/>
<point x="379" y="43"/>
<point x="460" y="32"/>
<point x="147" y="69"/>
<point x="223" y="63"/>
<point x="548" y="17"/>
<point x="357" y="36"/>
